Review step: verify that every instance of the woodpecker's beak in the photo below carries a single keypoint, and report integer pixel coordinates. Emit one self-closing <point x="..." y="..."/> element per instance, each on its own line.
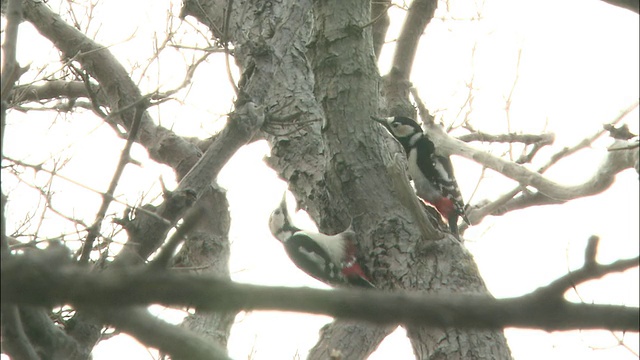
<point x="382" y="121"/>
<point x="283" y="202"/>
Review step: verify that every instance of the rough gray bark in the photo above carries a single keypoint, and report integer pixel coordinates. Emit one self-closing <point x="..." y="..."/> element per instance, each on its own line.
<point x="334" y="172"/>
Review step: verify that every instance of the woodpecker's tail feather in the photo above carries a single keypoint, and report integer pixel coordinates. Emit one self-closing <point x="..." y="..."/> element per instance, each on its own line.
<point x="465" y="218"/>
<point x="453" y="225"/>
<point x="361" y="282"/>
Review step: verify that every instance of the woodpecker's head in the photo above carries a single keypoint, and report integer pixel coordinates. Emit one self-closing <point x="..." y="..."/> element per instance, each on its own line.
<point x="280" y="222"/>
<point x="399" y="126"/>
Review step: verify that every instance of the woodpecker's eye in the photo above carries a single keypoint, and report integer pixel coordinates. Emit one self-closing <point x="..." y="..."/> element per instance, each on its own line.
<point x="394" y="125"/>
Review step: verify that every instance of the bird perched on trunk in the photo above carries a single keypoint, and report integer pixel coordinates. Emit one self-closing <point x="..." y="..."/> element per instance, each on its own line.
<point x="331" y="259"/>
<point x="432" y="173"/>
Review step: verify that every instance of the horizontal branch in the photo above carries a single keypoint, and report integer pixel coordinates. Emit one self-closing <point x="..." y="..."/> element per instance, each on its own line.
<point x="509" y="138"/>
<point x="49" y="90"/>
<point x="33" y="282"/>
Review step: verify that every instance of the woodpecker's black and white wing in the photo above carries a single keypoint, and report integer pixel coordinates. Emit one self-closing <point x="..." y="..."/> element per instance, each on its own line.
<point x="444" y="192"/>
<point x="310" y="257"/>
<point x="448" y="185"/>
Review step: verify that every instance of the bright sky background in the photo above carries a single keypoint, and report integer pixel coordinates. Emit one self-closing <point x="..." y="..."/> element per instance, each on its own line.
<point x="578" y="70"/>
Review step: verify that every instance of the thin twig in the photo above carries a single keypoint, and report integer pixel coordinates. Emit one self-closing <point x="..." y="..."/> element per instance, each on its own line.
<point x="40" y="167"/>
<point x="107" y="197"/>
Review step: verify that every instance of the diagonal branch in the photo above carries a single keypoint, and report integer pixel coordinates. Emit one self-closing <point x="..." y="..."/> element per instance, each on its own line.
<point x="179" y="343"/>
<point x="602" y="178"/>
<point x="14" y="341"/>
<point x="125" y="158"/>
<point x="396" y="84"/>
<point x="507" y="202"/>
<point x="632" y="5"/>
<point x="418" y="17"/>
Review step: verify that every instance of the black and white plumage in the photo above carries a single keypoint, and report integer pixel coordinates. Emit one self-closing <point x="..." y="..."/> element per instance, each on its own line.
<point x="432" y="173"/>
<point x="327" y="258"/>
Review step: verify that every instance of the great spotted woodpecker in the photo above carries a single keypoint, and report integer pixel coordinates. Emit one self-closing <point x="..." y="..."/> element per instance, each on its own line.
<point x="328" y="258"/>
<point x="432" y="173"/>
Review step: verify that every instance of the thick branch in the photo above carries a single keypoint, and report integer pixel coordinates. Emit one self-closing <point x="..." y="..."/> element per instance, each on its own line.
<point x="54" y="89"/>
<point x="418" y="17"/>
<point x="51" y="341"/>
<point x="25" y="281"/>
<point x="14" y="341"/>
<point x="180" y="343"/>
<point x="396" y="83"/>
<point x="509" y="138"/>
<point x="632" y="5"/>
<point x="241" y="127"/>
<point x="380" y="19"/>
<point x="11" y="70"/>
<point x="119" y="91"/>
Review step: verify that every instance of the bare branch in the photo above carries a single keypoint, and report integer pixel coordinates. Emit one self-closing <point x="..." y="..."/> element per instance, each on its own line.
<point x="632" y="5"/>
<point x="11" y="70"/>
<point x="596" y="184"/>
<point x="119" y="91"/>
<point x="396" y="84"/>
<point x="590" y="271"/>
<point x="418" y="17"/>
<point x="36" y="282"/>
<point x="14" y="341"/>
<point x="125" y="158"/>
<point x="602" y="178"/>
<point x="380" y="20"/>
<point x="241" y="127"/>
<point x="40" y="167"/>
<point x="510" y="138"/>
<point x="180" y="343"/>
<point x="54" y="89"/>
<point x="48" y="338"/>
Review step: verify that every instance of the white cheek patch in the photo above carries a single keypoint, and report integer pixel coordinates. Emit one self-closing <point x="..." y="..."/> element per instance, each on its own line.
<point x="405" y="130"/>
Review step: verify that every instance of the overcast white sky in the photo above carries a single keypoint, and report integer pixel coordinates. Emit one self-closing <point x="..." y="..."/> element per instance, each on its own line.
<point x="578" y="70"/>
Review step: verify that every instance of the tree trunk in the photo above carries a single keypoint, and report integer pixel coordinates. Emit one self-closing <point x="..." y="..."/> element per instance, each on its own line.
<point x="320" y="82"/>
